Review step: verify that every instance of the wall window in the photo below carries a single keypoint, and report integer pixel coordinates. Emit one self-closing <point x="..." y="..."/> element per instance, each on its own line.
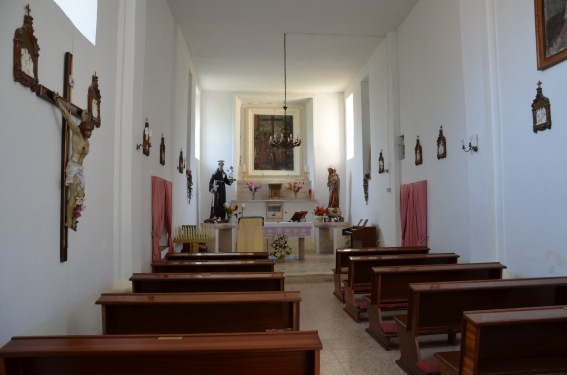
<point x="349" y="112"/>
<point x="83" y="14"/>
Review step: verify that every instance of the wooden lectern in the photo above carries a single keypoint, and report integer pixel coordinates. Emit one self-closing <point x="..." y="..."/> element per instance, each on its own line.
<point x="361" y="235"/>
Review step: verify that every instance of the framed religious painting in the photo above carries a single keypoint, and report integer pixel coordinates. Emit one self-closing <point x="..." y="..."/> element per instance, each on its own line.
<point x="381" y="163"/>
<point x="94" y="101"/>
<point x="274" y="210"/>
<point x="418" y="152"/>
<point x="264" y="125"/>
<point x="541" y="111"/>
<point x="551" y="32"/>
<point x="26" y="54"/>
<point x="162" y="151"/>
<point x="441" y="145"/>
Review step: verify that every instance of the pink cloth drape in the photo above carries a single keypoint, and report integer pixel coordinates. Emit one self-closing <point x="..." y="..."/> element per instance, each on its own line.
<point x="413" y="213"/>
<point x="161" y="214"/>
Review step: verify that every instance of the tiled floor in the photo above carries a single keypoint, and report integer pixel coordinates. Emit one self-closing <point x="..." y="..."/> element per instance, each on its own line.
<point x="347" y="348"/>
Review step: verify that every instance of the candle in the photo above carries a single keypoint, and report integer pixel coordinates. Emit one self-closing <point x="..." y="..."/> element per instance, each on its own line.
<point x="243" y="206"/>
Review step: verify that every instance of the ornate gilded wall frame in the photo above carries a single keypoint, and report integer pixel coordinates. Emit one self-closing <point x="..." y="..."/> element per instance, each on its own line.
<point x="26" y="54"/>
<point x="441" y="145"/>
<point x="541" y="111"/>
<point x="418" y="152"/>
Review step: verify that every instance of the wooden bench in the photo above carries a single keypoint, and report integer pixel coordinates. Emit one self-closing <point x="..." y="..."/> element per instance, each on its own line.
<point x="360" y="273"/>
<point x="284" y="353"/>
<point x="342" y="255"/>
<point x="178" y="313"/>
<point x="437" y="308"/>
<point x="207" y="282"/>
<point x="510" y="341"/>
<point x="390" y="290"/>
<point x="217" y="256"/>
<point x="171" y="266"/>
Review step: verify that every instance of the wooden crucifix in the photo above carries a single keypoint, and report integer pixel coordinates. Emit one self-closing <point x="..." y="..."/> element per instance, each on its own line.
<point x="74" y="147"/>
<point x="26" y="61"/>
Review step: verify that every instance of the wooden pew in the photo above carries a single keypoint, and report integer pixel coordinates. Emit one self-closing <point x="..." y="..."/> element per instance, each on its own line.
<point x="437" y="308"/>
<point x="280" y="353"/>
<point x="390" y="289"/>
<point x="207" y="282"/>
<point x="217" y="256"/>
<point x="179" y="313"/>
<point x="510" y="341"/>
<point x="342" y="255"/>
<point x="170" y="266"/>
<point x="360" y="272"/>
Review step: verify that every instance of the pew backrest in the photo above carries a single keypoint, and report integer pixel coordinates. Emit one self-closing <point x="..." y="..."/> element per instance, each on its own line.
<point x="439" y="306"/>
<point x="391" y="284"/>
<point x="217" y="256"/>
<point x="171" y="313"/>
<point x="360" y="267"/>
<point x="207" y="282"/>
<point x="514" y="341"/>
<point x="342" y="255"/>
<point x="171" y="266"/>
<point x="243" y="353"/>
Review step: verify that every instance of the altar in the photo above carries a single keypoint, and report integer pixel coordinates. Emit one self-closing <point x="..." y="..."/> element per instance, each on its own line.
<point x="290" y="229"/>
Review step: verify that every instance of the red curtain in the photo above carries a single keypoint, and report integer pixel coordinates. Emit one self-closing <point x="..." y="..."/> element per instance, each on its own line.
<point x="161" y="213"/>
<point x="413" y="213"/>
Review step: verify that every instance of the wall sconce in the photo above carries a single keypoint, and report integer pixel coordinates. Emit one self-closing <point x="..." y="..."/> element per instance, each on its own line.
<point x="181" y="165"/>
<point x="146" y="140"/>
<point x="470" y="147"/>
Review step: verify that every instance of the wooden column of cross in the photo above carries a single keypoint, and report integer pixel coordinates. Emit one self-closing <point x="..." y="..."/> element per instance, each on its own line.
<point x="49" y="95"/>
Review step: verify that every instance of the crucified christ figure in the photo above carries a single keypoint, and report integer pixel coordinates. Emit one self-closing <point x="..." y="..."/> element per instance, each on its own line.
<point x="74" y="177"/>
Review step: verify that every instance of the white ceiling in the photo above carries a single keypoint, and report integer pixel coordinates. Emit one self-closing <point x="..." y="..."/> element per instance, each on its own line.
<point x="238" y="45"/>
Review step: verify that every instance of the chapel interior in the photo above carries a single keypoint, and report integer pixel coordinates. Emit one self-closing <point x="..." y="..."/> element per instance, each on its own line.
<point x="359" y="124"/>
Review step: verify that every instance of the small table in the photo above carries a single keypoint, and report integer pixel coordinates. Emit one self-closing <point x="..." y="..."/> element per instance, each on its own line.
<point x="225" y="235"/>
<point x="323" y="243"/>
<point x="290" y="229"/>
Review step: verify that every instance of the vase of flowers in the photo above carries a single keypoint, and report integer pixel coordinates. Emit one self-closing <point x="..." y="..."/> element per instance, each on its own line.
<point x="253" y="187"/>
<point x="295" y="187"/>
<point x="230" y="209"/>
<point x="280" y="247"/>
<point x="319" y="213"/>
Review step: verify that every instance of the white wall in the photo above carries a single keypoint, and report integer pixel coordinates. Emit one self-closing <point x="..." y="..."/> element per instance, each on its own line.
<point x="533" y="182"/>
<point x="471" y="67"/>
<point x="41" y="295"/>
<point x="138" y="57"/>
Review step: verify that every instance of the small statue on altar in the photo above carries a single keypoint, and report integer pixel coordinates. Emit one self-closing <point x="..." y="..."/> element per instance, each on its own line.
<point x="217" y="187"/>
<point x="334" y="184"/>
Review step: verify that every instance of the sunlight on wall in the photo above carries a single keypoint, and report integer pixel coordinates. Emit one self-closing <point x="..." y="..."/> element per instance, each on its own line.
<point x="349" y="113"/>
<point x="83" y="14"/>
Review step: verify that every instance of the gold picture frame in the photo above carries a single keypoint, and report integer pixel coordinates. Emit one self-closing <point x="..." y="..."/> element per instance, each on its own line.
<point x="551" y="32"/>
<point x="274" y="210"/>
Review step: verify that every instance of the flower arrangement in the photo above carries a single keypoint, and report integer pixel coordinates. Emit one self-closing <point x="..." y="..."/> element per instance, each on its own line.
<point x="230" y="209"/>
<point x="365" y="186"/>
<point x="253" y="186"/>
<point x="189" y="185"/>
<point x="213" y="220"/>
<point x="319" y="211"/>
<point x="280" y="247"/>
<point x="295" y="186"/>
